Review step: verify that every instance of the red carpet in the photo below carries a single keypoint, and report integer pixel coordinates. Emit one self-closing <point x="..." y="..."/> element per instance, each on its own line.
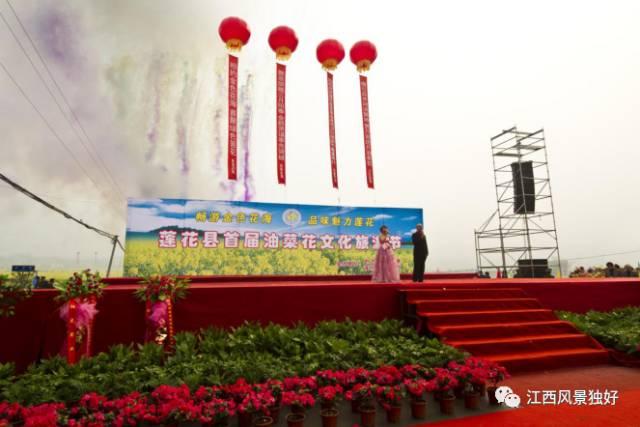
<point x="625" y="413"/>
<point x="503" y="325"/>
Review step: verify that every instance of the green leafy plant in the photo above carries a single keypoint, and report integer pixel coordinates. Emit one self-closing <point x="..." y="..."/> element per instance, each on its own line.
<point x="12" y="291"/>
<point x="618" y="329"/>
<point x="216" y="356"/>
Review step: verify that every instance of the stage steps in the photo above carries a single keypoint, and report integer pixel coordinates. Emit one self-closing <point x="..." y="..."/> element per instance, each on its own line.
<point x="501" y="324"/>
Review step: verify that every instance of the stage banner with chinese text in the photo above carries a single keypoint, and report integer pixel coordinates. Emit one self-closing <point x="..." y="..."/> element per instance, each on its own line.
<point x="198" y="237"/>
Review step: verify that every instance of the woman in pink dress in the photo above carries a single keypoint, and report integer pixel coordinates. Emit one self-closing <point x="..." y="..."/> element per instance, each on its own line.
<point x="385" y="268"/>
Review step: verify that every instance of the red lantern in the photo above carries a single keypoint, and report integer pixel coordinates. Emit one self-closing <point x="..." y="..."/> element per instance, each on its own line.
<point x="330" y="53"/>
<point x="234" y="32"/>
<point x="362" y="54"/>
<point x="283" y="41"/>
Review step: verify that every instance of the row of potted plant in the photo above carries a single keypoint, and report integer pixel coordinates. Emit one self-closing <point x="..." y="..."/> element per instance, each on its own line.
<point x="260" y="404"/>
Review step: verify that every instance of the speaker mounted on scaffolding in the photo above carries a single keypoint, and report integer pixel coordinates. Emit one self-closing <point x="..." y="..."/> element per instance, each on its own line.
<point x="524" y="188"/>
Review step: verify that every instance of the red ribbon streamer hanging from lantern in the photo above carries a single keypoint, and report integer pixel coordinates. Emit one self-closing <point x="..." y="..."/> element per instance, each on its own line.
<point x="281" y="76"/>
<point x="330" y="53"/>
<point x="283" y="41"/>
<point x="235" y="33"/>
<point x="363" y="54"/>
<point x="332" y="132"/>
<point x="232" y="155"/>
<point x="364" y="99"/>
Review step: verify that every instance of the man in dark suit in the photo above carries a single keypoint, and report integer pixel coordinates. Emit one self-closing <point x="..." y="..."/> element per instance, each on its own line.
<point x="420" y="253"/>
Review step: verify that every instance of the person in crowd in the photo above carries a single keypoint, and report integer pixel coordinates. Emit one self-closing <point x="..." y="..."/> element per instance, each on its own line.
<point x="420" y="253"/>
<point x="52" y="282"/>
<point x="34" y="281"/>
<point x="619" y="271"/>
<point x="385" y="268"/>
<point x="629" y="271"/>
<point x="610" y="271"/>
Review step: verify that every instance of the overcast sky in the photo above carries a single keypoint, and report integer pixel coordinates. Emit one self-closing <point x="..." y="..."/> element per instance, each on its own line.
<point x="147" y="81"/>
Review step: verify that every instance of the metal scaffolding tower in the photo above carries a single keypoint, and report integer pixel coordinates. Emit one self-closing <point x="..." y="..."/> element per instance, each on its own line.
<point x="522" y="230"/>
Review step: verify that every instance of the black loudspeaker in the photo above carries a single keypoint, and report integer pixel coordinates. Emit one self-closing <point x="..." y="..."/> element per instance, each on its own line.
<point x="524" y="189"/>
<point x="533" y="268"/>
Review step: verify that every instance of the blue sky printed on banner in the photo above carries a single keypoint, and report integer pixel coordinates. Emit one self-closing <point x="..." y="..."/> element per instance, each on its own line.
<point x="149" y="215"/>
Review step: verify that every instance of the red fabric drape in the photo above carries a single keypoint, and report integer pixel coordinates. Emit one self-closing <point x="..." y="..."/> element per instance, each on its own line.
<point x="36" y="330"/>
<point x="332" y="132"/>
<point x="232" y="156"/>
<point x="364" y="98"/>
<point x="281" y="73"/>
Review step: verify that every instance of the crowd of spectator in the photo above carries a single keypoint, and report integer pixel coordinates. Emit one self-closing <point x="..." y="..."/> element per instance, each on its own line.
<point x="41" y="282"/>
<point x="611" y="270"/>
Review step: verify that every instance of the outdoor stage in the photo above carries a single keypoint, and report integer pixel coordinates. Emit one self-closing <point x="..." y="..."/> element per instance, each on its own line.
<point x="36" y="330"/>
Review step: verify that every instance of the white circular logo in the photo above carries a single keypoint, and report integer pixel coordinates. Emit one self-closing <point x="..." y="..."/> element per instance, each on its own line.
<point x="291" y="217"/>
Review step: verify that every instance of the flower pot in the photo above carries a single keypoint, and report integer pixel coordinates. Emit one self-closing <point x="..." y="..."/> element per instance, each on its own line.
<point x="329" y="417"/>
<point x="295" y="420"/>
<point x="491" y="394"/>
<point x="367" y="416"/>
<point x="297" y="409"/>
<point x="274" y="412"/>
<point x="327" y="405"/>
<point x="263" y="422"/>
<point x="459" y="392"/>
<point x="245" y="419"/>
<point x="355" y="406"/>
<point x="393" y="414"/>
<point x="472" y="400"/>
<point x="481" y="388"/>
<point x="446" y="404"/>
<point x="419" y="409"/>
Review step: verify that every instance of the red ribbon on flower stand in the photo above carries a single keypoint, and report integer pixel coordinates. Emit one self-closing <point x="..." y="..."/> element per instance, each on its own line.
<point x="72" y="354"/>
<point x="170" y="341"/>
<point x="88" y="340"/>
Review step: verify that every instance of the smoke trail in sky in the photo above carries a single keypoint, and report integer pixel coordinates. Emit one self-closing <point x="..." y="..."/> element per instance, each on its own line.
<point x="245" y="133"/>
<point x="155" y="71"/>
<point x="181" y="130"/>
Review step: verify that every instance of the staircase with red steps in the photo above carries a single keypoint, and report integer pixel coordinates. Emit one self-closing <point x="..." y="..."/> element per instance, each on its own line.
<point x="504" y="325"/>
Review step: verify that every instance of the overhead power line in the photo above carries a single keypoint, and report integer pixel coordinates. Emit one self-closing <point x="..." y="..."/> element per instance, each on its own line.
<point x="21" y="189"/>
<point x="114" y="238"/>
<point x="98" y="161"/>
